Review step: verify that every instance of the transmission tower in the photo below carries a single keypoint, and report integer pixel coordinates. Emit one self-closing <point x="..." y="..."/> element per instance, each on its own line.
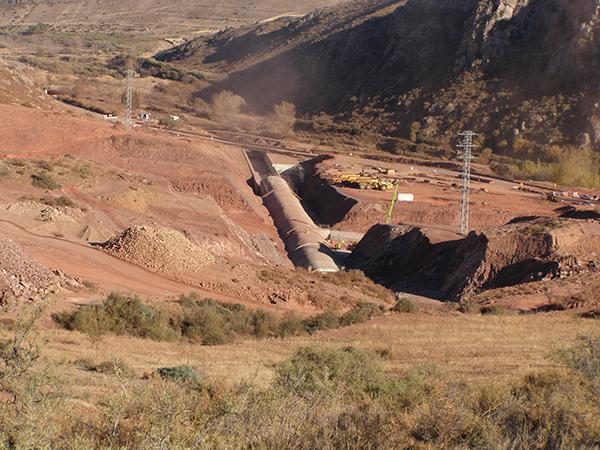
<point x="465" y="153"/>
<point x="129" y="99"/>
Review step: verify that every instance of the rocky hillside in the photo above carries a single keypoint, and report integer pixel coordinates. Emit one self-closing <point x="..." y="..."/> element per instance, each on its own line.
<point x="520" y="72"/>
<point x="18" y="87"/>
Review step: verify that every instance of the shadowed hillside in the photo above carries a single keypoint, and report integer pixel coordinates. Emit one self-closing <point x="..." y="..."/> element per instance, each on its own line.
<point x="521" y="71"/>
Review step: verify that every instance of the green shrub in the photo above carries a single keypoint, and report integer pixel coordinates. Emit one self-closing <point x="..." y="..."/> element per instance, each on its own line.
<point x="46" y="165"/>
<point x="291" y="325"/>
<point x="38" y="28"/>
<point x="404" y="305"/>
<point x="320" y="398"/>
<point x="180" y="374"/>
<point x="121" y="315"/>
<point x="312" y="370"/>
<point x="206" y="322"/>
<point x="361" y="313"/>
<point x="324" y="321"/>
<point x="583" y="357"/>
<point x="43" y="180"/>
<point x="83" y="170"/>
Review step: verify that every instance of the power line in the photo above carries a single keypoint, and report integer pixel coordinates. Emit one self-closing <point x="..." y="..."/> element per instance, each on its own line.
<point x="465" y="153"/>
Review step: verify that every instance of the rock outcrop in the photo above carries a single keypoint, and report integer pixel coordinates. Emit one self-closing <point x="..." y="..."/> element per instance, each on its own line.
<point x="450" y="267"/>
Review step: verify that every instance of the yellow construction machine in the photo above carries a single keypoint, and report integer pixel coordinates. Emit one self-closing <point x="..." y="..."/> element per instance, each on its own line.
<point x="365" y="182"/>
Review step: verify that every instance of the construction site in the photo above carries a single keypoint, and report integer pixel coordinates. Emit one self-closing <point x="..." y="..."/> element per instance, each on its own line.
<point x="138" y="195"/>
<point x="274" y="226"/>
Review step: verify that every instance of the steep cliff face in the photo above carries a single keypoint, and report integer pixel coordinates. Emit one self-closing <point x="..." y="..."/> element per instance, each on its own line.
<point x="558" y="37"/>
<point x="519" y="71"/>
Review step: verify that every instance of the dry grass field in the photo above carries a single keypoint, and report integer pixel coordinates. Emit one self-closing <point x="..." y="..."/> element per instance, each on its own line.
<point x="414" y="380"/>
<point x="462" y="347"/>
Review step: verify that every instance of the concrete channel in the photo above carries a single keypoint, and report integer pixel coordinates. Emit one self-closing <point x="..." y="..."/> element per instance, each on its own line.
<point x="304" y="240"/>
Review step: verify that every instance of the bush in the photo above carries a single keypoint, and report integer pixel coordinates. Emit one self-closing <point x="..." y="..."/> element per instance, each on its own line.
<point x="46" y="165"/>
<point x="206" y="322"/>
<point x="61" y="201"/>
<point x="312" y="370"/>
<point x="321" y="398"/>
<point x="180" y="374"/>
<point x="38" y="28"/>
<point x="584" y="357"/>
<point x="494" y="310"/>
<point x="83" y="170"/>
<point x="291" y="325"/>
<point x="284" y="117"/>
<point x="324" y="321"/>
<point x="169" y="122"/>
<point x="113" y="367"/>
<point x="404" y="305"/>
<point x="121" y="315"/>
<point x="226" y="106"/>
<point x="4" y="170"/>
<point x="362" y="312"/>
<point x="44" y="181"/>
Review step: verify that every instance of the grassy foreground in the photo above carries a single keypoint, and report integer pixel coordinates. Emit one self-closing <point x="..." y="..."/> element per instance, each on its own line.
<point x="397" y="381"/>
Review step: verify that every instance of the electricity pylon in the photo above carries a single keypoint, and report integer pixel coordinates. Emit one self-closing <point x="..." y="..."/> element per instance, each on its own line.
<point x="129" y="99"/>
<point x="465" y="153"/>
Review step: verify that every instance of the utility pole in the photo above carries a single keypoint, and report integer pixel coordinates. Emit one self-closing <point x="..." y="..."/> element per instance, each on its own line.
<point x="465" y="153"/>
<point x="129" y="99"/>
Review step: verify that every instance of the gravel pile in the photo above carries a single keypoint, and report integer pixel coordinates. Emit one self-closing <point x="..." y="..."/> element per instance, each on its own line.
<point x="21" y="277"/>
<point x="38" y="211"/>
<point x="159" y="249"/>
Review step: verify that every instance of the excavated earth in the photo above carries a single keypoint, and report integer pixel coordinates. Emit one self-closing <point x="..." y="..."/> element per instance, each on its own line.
<point x="452" y="267"/>
<point x="145" y="211"/>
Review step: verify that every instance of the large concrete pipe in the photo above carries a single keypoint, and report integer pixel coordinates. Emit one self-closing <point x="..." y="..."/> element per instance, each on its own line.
<point x="304" y="240"/>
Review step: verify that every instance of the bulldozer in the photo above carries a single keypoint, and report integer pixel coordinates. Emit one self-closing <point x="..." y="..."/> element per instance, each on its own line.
<point x="365" y="182"/>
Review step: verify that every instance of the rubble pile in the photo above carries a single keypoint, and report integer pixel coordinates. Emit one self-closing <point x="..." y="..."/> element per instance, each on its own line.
<point x="159" y="249"/>
<point x="21" y="277"/>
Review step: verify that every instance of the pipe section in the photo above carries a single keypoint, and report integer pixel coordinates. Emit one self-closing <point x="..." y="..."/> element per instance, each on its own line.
<point x="304" y="240"/>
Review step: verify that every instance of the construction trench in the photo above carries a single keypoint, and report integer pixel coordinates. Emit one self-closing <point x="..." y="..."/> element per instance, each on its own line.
<point x="305" y="241"/>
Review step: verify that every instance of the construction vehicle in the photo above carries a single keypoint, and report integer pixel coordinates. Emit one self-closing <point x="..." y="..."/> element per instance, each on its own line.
<point x="365" y="182"/>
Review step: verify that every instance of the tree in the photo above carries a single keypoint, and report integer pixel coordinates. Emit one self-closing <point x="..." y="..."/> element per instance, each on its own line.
<point x="226" y="106"/>
<point x="486" y="156"/>
<point x="284" y="118"/>
<point x="415" y="128"/>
